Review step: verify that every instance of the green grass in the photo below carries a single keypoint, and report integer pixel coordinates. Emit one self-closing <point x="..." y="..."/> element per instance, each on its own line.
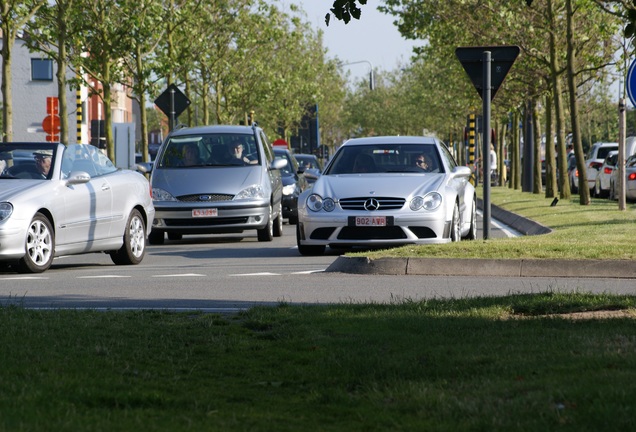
<point x="513" y="363"/>
<point x="596" y="231"/>
<point x="462" y="364"/>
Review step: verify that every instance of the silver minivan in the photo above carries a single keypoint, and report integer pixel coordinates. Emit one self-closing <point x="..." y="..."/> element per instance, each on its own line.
<point x="216" y="179"/>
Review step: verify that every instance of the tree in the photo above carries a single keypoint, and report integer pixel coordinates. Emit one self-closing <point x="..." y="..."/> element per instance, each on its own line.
<point x="13" y="16"/>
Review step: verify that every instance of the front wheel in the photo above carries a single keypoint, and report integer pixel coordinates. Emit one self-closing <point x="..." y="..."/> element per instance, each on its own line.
<point x="305" y="249"/>
<point x="455" y="233"/>
<point x="472" y="231"/>
<point x="278" y="223"/>
<point x="39" y="246"/>
<point x="134" y="247"/>
<point x="267" y="234"/>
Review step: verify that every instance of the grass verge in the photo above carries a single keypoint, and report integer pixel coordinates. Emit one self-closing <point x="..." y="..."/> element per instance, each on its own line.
<point x="595" y="231"/>
<point x="462" y="364"/>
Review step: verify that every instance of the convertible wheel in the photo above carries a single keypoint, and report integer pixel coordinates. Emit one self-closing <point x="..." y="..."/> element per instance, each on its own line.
<point x="308" y="250"/>
<point x="472" y="231"/>
<point x="267" y="233"/>
<point x="278" y="223"/>
<point x="455" y="228"/>
<point x="39" y="246"/>
<point x="134" y="247"/>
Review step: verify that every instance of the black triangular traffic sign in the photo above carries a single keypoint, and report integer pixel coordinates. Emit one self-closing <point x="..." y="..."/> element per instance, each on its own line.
<point x="181" y="101"/>
<point x="502" y="58"/>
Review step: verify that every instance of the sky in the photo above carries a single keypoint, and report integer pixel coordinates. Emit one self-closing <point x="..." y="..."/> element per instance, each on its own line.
<point x="371" y="40"/>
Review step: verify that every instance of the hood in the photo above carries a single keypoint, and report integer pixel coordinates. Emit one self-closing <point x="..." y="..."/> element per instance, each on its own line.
<point x="386" y="185"/>
<point x="206" y="180"/>
<point x="9" y="188"/>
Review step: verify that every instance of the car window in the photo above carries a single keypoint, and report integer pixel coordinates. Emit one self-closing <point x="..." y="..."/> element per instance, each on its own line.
<point x="86" y="158"/>
<point x="450" y="160"/>
<point x="604" y="151"/>
<point x="267" y="147"/>
<point x="384" y="158"/>
<point x="205" y="150"/>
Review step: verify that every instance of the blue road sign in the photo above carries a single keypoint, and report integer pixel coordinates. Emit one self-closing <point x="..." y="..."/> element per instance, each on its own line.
<point x="631" y="83"/>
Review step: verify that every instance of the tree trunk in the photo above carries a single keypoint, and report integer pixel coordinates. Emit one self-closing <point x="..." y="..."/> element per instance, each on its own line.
<point x="584" y="190"/>
<point x="7" y="97"/>
<point x="537" y="187"/>
<point x="550" y="160"/>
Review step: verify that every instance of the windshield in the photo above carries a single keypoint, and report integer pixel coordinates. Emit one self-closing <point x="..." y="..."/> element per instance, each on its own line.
<point x="387" y="158"/>
<point x="205" y="150"/>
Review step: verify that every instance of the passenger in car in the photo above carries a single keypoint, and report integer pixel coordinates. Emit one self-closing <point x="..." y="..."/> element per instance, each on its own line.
<point x="190" y="155"/>
<point x="423" y="162"/>
<point x="237" y="151"/>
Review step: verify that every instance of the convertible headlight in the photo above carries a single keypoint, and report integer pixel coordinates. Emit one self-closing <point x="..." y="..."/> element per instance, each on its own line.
<point x="159" y="194"/>
<point x="289" y="189"/>
<point x="5" y="210"/>
<point x="252" y="192"/>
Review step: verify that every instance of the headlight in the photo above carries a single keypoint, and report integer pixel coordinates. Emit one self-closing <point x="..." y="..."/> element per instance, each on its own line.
<point x="289" y="189"/>
<point x="416" y="203"/>
<point x="5" y="210"/>
<point x="251" y="192"/>
<point x="161" y="195"/>
<point x="317" y="203"/>
<point x="432" y="201"/>
<point x="314" y="202"/>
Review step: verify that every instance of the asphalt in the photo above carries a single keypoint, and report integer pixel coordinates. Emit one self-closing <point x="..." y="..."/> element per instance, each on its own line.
<point x="490" y="267"/>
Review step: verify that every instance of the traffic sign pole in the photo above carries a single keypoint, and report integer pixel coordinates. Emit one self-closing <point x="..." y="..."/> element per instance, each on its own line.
<point x="485" y="154"/>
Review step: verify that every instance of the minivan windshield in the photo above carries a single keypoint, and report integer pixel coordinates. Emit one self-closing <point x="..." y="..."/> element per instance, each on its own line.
<point x="206" y="150"/>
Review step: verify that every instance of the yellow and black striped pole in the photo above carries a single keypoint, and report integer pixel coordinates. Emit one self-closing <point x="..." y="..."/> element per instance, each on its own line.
<point x="79" y="116"/>
<point x="471" y="144"/>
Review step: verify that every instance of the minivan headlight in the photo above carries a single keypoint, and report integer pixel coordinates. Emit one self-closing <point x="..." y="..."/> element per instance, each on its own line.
<point x="252" y="192"/>
<point x="159" y="194"/>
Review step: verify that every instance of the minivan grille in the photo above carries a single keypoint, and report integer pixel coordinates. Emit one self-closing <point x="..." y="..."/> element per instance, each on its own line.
<point x="205" y="198"/>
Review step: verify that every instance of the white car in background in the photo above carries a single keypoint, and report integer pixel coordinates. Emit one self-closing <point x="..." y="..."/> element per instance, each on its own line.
<point x="602" y="184"/>
<point x="594" y="160"/>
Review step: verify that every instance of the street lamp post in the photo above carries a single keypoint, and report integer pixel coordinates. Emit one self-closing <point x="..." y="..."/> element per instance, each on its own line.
<point x="371" y="77"/>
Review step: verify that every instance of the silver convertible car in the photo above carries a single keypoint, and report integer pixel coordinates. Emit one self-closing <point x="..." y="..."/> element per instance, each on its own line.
<point x="384" y="192"/>
<point x="63" y="200"/>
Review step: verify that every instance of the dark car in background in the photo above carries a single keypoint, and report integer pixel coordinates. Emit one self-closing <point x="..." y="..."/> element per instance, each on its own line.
<point x="293" y="184"/>
<point x="310" y="166"/>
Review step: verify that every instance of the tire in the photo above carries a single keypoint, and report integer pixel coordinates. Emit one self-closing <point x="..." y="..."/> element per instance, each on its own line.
<point x="612" y="192"/>
<point x="175" y="236"/>
<point x="156" y="237"/>
<point x="39" y="246"/>
<point x="278" y="223"/>
<point x="308" y="250"/>
<point x="267" y="234"/>
<point x="455" y="233"/>
<point x="134" y="248"/>
<point x="472" y="231"/>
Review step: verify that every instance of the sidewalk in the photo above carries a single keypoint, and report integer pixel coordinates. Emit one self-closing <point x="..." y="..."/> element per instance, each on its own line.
<point x="490" y="267"/>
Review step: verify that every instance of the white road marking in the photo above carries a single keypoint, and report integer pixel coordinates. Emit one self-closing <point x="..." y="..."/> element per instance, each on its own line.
<point x="256" y="274"/>
<point x="181" y="275"/>
<point x="103" y="277"/>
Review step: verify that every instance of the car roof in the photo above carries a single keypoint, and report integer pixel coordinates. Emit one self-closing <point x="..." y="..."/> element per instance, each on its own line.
<point x="247" y="130"/>
<point x="391" y="140"/>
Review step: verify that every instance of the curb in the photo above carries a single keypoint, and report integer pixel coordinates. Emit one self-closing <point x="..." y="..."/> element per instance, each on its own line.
<point x="490" y="267"/>
<point x="485" y="267"/>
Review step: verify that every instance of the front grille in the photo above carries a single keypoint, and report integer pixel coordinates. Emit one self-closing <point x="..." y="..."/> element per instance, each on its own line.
<point x="205" y="198"/>
<point x="385" y="203"/>
<point x="322" y="233"/>
<point x="423" y="232"/>
<point x="204" y="221"/>
<point x="372" y="233"/>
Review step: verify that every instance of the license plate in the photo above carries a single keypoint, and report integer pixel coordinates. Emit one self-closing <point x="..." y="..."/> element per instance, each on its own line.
<point x="370" y="221"/>
<point x="205" y="212"/>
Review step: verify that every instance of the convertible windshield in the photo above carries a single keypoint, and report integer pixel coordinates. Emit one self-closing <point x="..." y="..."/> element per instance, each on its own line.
<point x="207" y="150"/>
<point x="389" y="158"/>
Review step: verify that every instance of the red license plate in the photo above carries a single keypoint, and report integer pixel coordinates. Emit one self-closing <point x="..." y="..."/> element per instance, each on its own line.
<point x="205" y="212"/>
<point x="370" y="221"/>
